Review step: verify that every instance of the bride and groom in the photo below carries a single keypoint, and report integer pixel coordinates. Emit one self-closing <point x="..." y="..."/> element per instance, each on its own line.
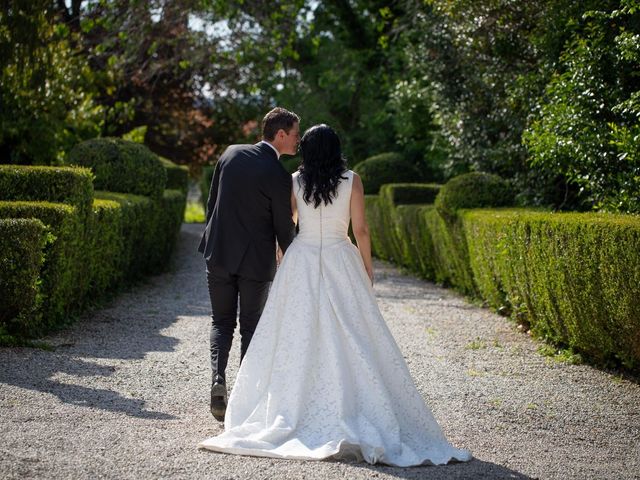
<point x="320" y="375"/>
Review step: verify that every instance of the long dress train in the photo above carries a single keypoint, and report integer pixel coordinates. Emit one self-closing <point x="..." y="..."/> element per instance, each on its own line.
<point x="323" y="376"/>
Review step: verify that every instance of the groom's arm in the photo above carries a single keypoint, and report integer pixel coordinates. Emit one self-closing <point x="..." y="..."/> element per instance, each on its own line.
<point x="281" y="210"/>
<point x="213" y="192"/>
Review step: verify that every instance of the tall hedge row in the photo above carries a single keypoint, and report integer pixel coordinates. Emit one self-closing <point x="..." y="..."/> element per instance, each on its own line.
<point x="97" y="242"/>
<point x="574" y="277"/>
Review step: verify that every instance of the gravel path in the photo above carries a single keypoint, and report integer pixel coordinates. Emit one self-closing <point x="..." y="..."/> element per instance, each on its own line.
<point x="124" y="393"/>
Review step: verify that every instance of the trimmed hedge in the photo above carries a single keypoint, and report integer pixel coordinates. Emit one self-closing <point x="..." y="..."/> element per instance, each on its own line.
<point x="53" y="184"/>
<point x="172" y="208"/>
<point x="177" y="175"/>
<point x="574" y="277"/>
<point x="473" y="190"/>
<point x="105" y="265"/>
<point x="61" y="271"/>
<point x="96" y="245"/>
<point x="137" y="228"/>
<point x="385" y="168"/>
<point x="21" y="256"/>
<point x="121" y="166"/>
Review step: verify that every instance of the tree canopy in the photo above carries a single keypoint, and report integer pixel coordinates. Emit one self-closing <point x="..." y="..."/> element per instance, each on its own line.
<point x="544" y="93"/>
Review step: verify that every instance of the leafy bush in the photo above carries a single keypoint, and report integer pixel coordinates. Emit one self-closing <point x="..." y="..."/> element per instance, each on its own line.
<point x="574" y="277"/>
<point x="21" y="256"/>
<point x="139" y="217"/>
<point x="61" y="289"/>
<point x="177" y="175"/>
<point x="587" y="126"/>
<point x="121" y="166"/>
<point x="384" y="168"/>
<point x="168" y="225"/>
<point x="104" y="265"/>
<point x="473" y="190"/>
<point x="53" y="184"/>
<point x="291" y="164"/>
<point x="412" y="193"/>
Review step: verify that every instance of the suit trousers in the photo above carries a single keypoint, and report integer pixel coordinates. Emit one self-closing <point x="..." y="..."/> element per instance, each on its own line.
<point x="224" y="289"/>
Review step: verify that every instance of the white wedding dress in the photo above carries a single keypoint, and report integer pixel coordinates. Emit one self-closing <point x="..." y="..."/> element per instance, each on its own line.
<point x="323" y="376"/>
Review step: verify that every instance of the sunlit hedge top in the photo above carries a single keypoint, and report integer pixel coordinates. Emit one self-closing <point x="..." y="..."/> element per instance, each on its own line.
<point x="121" y="166"/>
<point x="54" y="184"/>
<point x="473" y="190"/>
<point x="385" y="168"/>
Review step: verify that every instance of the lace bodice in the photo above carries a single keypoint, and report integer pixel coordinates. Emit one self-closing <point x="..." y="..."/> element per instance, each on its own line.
<point x="328" y="224"/>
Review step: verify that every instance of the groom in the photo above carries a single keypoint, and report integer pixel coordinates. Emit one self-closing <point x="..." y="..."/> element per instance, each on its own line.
<point x="249" y="207"/>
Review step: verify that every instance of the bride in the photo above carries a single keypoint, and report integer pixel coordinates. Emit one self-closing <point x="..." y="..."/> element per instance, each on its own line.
<point x="323" y="376"/>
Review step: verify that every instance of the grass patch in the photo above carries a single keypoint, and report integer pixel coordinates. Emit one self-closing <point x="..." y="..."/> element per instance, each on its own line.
<point x="563" y="355"/>
<point x="194" y="213"/>
<point x="476" y="344"/>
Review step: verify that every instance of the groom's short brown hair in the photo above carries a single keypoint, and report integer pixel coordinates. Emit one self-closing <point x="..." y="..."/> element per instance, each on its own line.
<point x="276" y="119"/>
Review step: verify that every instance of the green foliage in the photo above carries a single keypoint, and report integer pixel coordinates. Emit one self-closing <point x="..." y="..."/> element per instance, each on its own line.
<point x="60" y="286"/>
<point x="139" y="216"/>
<point x="46" y="100"/>
<point x="194" y="213"/>
<point x="53" y="184"/>
<point x="588" y="123"/>
<point x="177" y="175"/>
<point x="473" y="190"/>
<point x="573" y="277"/>
<point x="121" y="166"/>
<point x="105" y="266"/>
<point x="412" y="193"/>
<point x="171" y="216"/>
<point x="384" y="168"/>
<point x="21" y="255"/>
<point x="291" y="164"/>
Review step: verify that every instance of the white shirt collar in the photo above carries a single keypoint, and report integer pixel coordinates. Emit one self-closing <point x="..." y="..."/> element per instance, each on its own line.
<point x="274" y="148"/>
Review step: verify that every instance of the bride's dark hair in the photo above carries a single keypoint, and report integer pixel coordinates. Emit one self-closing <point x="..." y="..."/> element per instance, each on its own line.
<point x="322" y="164"/>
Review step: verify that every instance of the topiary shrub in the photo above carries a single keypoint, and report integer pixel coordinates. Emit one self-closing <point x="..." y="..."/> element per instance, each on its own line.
<point x="52" y="184"/>
<point x="22" y="241"/>
<point x="61" y="288"/>
<point x="385" y="168"/>
<point x="177" y="175"/>
<point x="121" y="166"/>
<point x="473" y="190"/>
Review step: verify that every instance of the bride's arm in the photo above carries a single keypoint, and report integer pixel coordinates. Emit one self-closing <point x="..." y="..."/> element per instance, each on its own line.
<point x="359" y="224"/>
<point x="294" y="205"/>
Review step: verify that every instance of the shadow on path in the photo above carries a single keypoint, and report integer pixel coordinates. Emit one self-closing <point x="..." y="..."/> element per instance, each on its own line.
<point x="476" y="469"/>
<point x="129" y="328"/>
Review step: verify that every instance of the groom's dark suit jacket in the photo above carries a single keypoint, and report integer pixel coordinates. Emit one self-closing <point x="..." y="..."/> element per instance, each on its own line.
<point x="249" y="207"/>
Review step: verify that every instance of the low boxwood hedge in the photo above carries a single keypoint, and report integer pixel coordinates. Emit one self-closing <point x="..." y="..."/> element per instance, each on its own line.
<point x="61" y="288"/>
<point x="121" y="166"/>
<point x="52" y="184"/>
<point x="574" y="277"/>
<point x="177" y="176"/>
<point x="22" y="242"/>
<point x="473" y="190"/>
<point x="385" y="168"/>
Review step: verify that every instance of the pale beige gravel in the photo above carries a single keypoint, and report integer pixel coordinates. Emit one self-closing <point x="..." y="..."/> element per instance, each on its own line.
<point x="124" y="393"/>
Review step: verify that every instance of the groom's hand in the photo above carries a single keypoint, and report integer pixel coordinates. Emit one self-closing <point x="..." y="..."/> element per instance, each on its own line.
<point x="279" y="256"/>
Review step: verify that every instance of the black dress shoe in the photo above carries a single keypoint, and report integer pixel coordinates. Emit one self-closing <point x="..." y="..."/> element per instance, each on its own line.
<point x="218" y="400"/>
